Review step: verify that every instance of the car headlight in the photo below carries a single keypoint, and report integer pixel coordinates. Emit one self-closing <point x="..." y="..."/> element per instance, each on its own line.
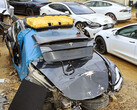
<point x="117" y="75"/>
<point x="118" y="81"/>
<point x="94" y="25"/>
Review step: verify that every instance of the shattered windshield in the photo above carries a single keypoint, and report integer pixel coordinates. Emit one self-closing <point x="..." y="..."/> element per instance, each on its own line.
<point x="2" y="4"/>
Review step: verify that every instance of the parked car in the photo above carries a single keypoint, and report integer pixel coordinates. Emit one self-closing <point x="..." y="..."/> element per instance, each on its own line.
<point x="65" y="72"/>
<point x="81" y="14"/>
<point x="121" y="42"/>
<point x="28" y="7"/>
<point x="6" y="12"/>
<point x="115" y="10"/>
<point x="5" y="8"/>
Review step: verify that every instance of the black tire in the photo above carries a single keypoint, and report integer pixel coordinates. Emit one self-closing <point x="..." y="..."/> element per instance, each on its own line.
<point x="100" y="45"/>
<point x="97" y="103"/>
<point x="47" y="106"/>
<point x="29" y="12"/>
<point x="111" y="15"/>
<point x="80" y="26"/>
<point x="44" y="14"/>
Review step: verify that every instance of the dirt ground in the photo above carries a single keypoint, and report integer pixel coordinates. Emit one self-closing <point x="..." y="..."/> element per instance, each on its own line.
<point x="126" y="98"/>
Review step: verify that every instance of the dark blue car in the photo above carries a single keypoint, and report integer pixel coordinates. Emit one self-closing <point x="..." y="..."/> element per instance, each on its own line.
<point x="28" y="7"/>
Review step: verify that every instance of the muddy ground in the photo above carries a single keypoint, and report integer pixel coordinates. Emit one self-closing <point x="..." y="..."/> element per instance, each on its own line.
<point x="126" y="98"/>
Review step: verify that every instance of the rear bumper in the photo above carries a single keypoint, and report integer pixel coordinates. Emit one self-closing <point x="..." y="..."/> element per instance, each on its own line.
<point x="124" y="17"/>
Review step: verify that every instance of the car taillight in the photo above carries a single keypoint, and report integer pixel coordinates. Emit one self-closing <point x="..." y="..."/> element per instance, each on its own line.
<point x="37" y="5"/>
<point x="45" y="49"/>
<point x="78" y="35"/>
<point x="123" y="11"/>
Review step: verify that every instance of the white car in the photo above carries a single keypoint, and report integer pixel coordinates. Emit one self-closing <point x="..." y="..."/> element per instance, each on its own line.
<point x="9" y="10"/>
<point x="113" y="9"/>
<point x="121" y="42"/>
<point x="81" y="14"/>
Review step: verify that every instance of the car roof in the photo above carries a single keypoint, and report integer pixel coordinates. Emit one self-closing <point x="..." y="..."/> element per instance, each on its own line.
<point x="109" y="1"/>
<point x="69" y="3"/>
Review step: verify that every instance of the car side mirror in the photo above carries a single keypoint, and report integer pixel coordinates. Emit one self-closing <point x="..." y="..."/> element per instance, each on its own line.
<point x="115" y="33"/>
<point x="67" y="12"/>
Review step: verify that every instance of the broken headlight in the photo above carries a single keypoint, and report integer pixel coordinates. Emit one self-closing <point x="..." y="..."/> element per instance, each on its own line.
<point x="118" y="80"/>
<point x="94" y="25"/>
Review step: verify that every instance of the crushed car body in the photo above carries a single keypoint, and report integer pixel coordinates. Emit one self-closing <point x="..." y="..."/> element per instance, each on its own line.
<point x="59" y="68"/>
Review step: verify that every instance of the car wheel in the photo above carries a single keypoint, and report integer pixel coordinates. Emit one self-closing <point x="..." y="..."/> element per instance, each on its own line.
<point x="29" y="12"/>
<point x="111" y="15"/>
<point x="47" y="106"/>
<point x="80" y="26"/>
<point x="44" y="14"/>
<point x="100" y="45"/>
<point x="97" y="103"/>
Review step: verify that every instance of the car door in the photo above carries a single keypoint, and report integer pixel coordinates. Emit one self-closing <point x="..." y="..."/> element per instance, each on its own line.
<point x="15" y="44"/>
<point x="124" y="42"/>
<point x="19" y="5"/>
<point x="57" y="9"/>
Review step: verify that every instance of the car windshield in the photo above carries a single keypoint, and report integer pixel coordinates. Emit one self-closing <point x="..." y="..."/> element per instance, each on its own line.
<point x="2" y="4"/>
<point x="79" y="9"/>
<point x="60" y="33"/>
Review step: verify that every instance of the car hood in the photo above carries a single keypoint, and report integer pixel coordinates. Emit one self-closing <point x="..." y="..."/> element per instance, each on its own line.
<point x="98" y="18"/>
<point x="89" y="80"/>
<point x="108" y="32"/>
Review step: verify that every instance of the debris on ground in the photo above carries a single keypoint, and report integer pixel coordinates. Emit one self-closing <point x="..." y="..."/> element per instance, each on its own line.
<point x="3" y="101"/>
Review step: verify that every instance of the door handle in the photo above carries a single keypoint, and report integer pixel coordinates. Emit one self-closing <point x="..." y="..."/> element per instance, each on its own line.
<point x="131" y="41"/>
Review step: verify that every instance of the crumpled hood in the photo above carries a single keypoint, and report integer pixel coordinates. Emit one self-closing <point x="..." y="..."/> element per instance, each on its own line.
<point x="89" y="80"/>
<point x="98" y="18"/>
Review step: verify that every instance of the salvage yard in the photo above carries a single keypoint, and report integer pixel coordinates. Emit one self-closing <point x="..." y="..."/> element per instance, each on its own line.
<point x="126" y="99"/>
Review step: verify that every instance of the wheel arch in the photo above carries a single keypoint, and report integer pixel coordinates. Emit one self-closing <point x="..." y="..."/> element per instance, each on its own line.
<point x="81" y="22"/>
<point x="106" y="43"/>
<point x="111" y="13"/>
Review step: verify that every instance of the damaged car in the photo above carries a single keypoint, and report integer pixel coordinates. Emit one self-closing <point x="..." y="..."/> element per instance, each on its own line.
<point x="59" y="67"/>
<point x="6" y="12"/>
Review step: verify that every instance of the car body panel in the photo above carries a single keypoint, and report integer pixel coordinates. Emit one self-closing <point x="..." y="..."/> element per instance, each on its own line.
<point x="119" y="45"/>
<point x="90" y="71"/>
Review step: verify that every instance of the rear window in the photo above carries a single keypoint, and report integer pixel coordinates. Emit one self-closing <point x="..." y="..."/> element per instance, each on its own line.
<point x="2" y="4"/>
<point x="69" y="32"/>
